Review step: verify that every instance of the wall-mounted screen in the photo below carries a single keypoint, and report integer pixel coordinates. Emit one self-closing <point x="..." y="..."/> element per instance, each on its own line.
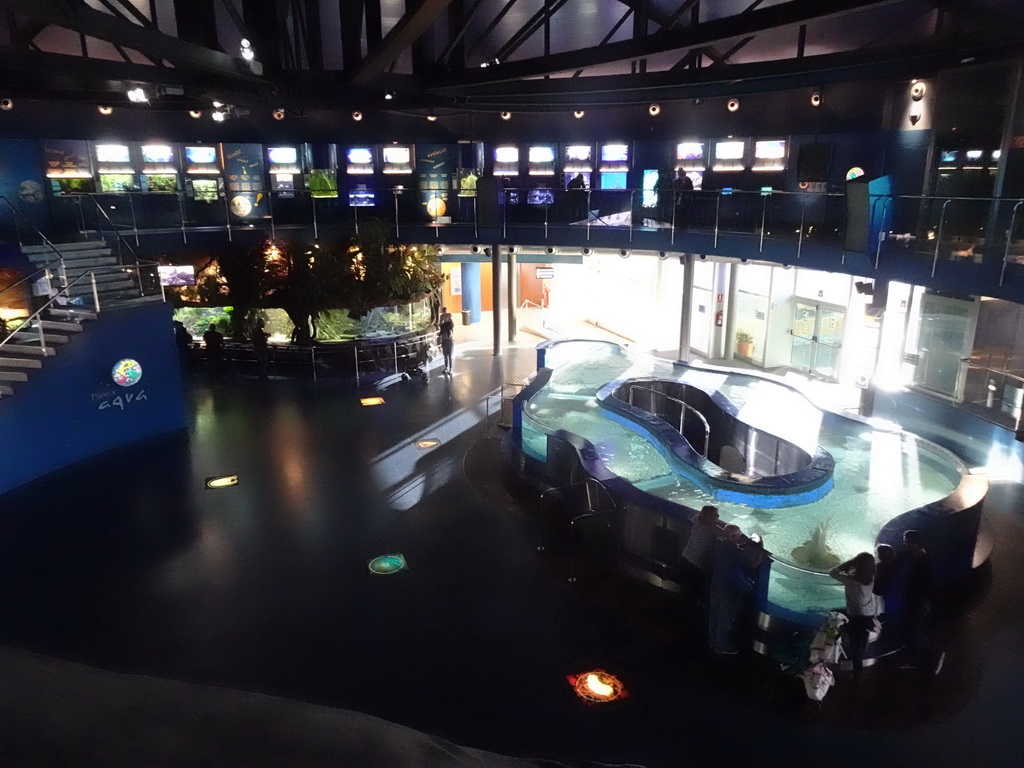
<point x="157" y="153"/>
<point x="542" y="155"/>
<point x="690" y="150"/>
<point x="949" y="156"/>
<point x="177" y="275"/>
<point x="112" y="153"/>
<point x="730" y="150"/>
<point x="540" y="197"/>
<point x="161" y="182"/>
<point x="360" y="156"/>
<point x="283" y="155"/>
<point x="974" y="154"/>
<point x="586" y="179"/>
<point x="996" y="154"/>
<point x="201" y="155"/>
<point x="361" y="198"/>
<point x="649" y="198"/>
<point x="579" y="152"/>
<point x="397" y="155"/>
<point x="205" y="190"/>
<point x="117" y="182"/>
<point x="506" y="155"/>
<point x="614" y="153"/>
<point x="613" y="180"/>
<point x="770" y="150"/>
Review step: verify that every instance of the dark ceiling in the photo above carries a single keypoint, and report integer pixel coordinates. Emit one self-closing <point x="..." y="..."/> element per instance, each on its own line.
<point x="448" y="56"/>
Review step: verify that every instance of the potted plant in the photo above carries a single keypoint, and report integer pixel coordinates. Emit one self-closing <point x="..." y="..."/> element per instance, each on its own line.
<point x="744" y="343"/>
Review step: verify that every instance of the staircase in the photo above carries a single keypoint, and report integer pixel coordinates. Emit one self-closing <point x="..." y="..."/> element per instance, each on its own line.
<point x="115" y="284"/>
<point x="23" y="353"/>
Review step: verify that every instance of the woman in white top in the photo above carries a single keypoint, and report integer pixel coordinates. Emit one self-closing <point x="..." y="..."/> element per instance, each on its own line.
<point x="858" y="579"/>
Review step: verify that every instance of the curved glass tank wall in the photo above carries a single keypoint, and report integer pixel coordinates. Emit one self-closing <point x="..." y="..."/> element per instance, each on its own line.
<point x="845" y="486"/>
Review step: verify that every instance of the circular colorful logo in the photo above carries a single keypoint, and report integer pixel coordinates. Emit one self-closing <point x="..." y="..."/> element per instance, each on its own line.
<point x="854" y="173"/>
<point x="126" y="373"/>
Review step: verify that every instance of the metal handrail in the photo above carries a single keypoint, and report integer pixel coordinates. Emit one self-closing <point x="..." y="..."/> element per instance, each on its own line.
<point x="1009" y="240"/>
<point x="592" y="510"/>
<point x="44" y="238"/>
<point x="996" y="371"/>
<point x="36" y="315"/>
<point x="682" y="414"/>
<point x="120" y="238"/>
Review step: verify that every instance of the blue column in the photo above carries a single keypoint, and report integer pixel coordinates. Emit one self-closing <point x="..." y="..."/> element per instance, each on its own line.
<point x="471" y="290"/>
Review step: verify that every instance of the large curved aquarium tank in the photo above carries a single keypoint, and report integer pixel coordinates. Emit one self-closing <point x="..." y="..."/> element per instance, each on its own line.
<point x="816" y="486"/>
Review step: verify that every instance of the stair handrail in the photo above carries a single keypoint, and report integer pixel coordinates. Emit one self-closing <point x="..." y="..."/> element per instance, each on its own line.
<point x="46" y="241"/>
<point x="37" y="314"/>
<point x="121" y="239"/>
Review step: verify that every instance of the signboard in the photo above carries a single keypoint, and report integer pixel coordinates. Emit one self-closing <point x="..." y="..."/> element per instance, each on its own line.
<point x="545" y="273"/>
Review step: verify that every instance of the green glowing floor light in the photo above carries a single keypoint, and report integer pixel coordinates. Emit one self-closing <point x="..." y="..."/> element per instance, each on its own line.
<point x="388" y="564"/>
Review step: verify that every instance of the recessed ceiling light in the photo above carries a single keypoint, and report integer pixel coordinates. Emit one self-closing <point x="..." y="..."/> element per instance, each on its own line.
<point x="578" y="114"/>
<point x="357" y="116"/>
<point x="195" y="113"/>
<point x="506" y="115"/>
<point x="104" y="110"/>
<point x="733" y="105"/>
<point x="654" y="109"/>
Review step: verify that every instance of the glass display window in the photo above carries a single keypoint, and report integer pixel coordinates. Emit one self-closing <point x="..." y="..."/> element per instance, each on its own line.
<point x="161" y="182"/>
<point x="690" y="156"/>
<point x="578" y="158"/>
<point x="614" y="157"/>
<point x="506" y="161"/>
<point x="541" y="161"/>
<point x="770" y="155"/>
<point x="397" y="159"/>
<point x="201" y="160"/>
<point x="360" y="160"/>
<point x="730" y="155"/>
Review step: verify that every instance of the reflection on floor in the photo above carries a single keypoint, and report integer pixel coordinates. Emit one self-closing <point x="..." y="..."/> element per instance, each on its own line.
<point x="130" y="564"/>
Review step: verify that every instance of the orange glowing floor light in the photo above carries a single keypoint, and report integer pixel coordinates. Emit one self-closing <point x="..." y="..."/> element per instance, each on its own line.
<point x="598" y="686"/>
<point x="427" y="443"/>
<point x="371" y="401"/>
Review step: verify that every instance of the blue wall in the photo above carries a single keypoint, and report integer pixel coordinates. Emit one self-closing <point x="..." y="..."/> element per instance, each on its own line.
<point x="68" y="410"/>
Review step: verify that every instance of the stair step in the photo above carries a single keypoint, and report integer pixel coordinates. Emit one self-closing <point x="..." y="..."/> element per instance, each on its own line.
<point x="92" y="262"/>
<point x="49" y="338"/>
<point x="72" y="314"/>
<point x="20" y="362"/>
<point x="24" y="349"/>
<point x="6" y="390"/>
<point x="13" y="376"/>
<point x="59" y="325"/>
<point x="31" y="250"/>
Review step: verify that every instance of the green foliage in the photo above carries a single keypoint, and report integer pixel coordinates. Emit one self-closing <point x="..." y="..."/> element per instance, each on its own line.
<point x="323" y="183"/>
<point x="744" y="337"/>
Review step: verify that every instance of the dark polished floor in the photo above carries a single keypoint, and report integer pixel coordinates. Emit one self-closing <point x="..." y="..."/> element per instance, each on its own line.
<point x="127" y="563"/>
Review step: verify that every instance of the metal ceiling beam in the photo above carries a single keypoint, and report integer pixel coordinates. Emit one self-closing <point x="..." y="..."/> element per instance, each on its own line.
<point x="707" y="33"/>
<point x="404" y="34"/>
<point x="48" y="74"/>
<point x="660" y="18"/>
<point x="81" y="18"/>
<point x="524" y="33"/>
<point x="735" y="79"/>
<point x="494" y="23"/>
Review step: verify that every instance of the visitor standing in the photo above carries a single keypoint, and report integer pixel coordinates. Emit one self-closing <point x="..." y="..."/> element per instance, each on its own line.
<point x="915" y="567"/>
<point x="214" y="341"/>
<point x="182" y="341"/>
<point x="858" y="579"/>
<point x="446" y="332"/>
<point x="699" y="550"/>
<point x="577" y="189"/>
<point x="683" y="193"/>
<point x="731" y="585"/>
<point x="259" y="338"/>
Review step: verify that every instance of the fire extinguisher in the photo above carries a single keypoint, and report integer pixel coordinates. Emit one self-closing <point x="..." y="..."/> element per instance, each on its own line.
<point x="719" y="319"/>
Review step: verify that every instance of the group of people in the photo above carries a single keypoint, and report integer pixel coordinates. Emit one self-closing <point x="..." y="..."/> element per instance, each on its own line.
<point x="723" y="571"/>
<point x="213" y="342"/>
<point x="897" y="583"/>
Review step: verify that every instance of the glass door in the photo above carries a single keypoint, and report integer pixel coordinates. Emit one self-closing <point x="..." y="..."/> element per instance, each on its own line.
<point x="804" y="324"/>
<point x="817" y="339"/>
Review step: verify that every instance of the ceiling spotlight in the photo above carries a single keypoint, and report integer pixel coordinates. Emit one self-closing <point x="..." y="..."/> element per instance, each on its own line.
<point x="357" y="116"/>
<point x="218" y="115"/>
<point x="816" y="99"/>
<point x="137" y="95"/>
<point x="278" y="114"/>
<point x="247" y="52"/>
<point x="578" y="114"/>
<point x="733" y="105"/>
<point x="105" y="110"/>
<point x="654" y="109"/>
<point x="389" y="95"/>
<point x="432" y="118"/>
<point x="917" y="89"/>
<point x="506" y="115"/>
<point x="6" y="104"/>
<point x="218" y="104"/>
<point x="195" y="114"/>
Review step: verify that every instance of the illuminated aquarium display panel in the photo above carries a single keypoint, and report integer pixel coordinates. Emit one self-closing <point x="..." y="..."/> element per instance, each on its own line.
<point x="161" y="182"/>
<point x="729" y="155"/>
<point x="579" y="158"/>
<point x="201" y="155"/>
<point x="770" y="155"/>
<point x="690" y="156"/>
<point x="542" y="155"/>
<point x="161" y="154"/>
<point x="113" y="153"/>
<point x="283" y="155"/>
<point x="205" y="190"/>
<point x="117" y="182"/>
<point x="506" y="161"/>
<point x="615" y="153"/>
<point x="397" y="155"/>
<point x="360" y="156"/>
<point x="613" y="180"/>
